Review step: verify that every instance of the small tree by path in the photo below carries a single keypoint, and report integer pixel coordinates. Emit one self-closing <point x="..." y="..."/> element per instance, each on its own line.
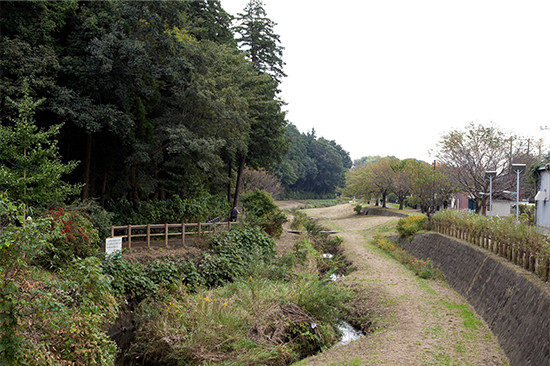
<point x="30" y="165"/>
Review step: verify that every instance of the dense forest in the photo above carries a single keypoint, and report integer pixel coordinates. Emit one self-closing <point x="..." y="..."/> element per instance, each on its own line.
<point x="158" y="99"/>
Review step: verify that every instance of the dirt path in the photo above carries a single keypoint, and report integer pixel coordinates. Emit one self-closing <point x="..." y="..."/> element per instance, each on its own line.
<point x="420" y="322"/>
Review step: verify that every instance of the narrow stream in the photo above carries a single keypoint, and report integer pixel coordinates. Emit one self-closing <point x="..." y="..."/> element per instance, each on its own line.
<point x="349" y="333"/>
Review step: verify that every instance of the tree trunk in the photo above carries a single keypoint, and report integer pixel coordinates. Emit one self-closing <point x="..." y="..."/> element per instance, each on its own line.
<point x="242" y="160"/>
<point x="229" y="178"/>
<point x="87" y="166"/>
<point x="104" y="187"/>
<point x="135" y="189"/>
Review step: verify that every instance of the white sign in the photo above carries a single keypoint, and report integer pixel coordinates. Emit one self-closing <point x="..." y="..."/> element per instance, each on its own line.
<point x="113" y="245"/>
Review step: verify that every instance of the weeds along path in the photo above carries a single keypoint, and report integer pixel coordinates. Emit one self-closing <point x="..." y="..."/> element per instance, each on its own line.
<point x="416" y="321"/>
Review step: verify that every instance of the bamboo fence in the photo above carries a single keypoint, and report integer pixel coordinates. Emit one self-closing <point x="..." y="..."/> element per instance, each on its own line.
<point x="526" y="257"/>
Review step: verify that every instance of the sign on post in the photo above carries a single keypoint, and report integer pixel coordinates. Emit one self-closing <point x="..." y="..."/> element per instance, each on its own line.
<point x="113" y="245"/>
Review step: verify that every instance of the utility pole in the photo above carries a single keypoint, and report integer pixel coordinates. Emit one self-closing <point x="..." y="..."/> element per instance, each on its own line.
<point x="543" y="128"/>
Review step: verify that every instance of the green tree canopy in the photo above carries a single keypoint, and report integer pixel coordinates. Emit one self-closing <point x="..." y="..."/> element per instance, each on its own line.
<point x="429" y="187"/>
<point x="312" y="165"/>
<point x="257" y="37"/>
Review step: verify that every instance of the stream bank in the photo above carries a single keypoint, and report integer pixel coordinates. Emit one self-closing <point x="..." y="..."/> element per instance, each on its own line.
<point x="415" y="321"/>
<point x="514" y="303"/>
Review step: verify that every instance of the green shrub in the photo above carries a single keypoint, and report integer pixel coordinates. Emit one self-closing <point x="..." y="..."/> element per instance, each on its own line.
<point x="358" y="209"/>
<point x="299" y="221"/>
<point x="410" y="225"/>
<point x="130" y="280"/>
<point x="262" y="211"/>
<point x="49" y="318"/>
<point x="73" y="236"/>
<point x="8" y="211"/>
<point x="233" y="253"/>
<point x="172" y="210"/>
<point x="163" y="272"/>
<point x="189" y="273"/>
<point x="101" y="219"/>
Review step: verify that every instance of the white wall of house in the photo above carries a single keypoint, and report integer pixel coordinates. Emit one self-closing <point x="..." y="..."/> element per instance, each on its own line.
<point x="502" y="208"/>
<point x="542" y="200"/>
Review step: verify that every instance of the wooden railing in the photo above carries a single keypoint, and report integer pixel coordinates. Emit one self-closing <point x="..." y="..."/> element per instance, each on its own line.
<point x="150" y="232"/>
<point x="533" y="261"/>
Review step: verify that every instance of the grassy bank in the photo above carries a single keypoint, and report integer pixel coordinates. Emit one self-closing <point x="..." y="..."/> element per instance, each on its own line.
<point x="280" y="309"/>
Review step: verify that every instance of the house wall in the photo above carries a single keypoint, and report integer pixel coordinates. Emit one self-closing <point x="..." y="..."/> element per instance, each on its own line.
<point x="500" y="208"/>
<point x="543" y="207"/>
<point x="461" y="202"/>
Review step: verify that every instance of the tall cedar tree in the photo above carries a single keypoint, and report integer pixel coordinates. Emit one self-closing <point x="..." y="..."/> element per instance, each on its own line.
<point x="266" y="144"/>
<point x="257" y="37"/>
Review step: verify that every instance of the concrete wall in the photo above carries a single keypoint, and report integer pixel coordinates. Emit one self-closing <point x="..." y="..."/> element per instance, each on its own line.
<point x="514" y="303"/>
<point x="501" y="208"/>
<point x="375" y="211"/>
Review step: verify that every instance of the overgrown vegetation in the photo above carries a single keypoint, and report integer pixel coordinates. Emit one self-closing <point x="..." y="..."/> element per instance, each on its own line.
<point x="258" y="319"/>
<point x="518" y="241"/>
<point x="274" y="311"/>
<point x="236" y="301"/>
<point x="421" y="268"/>
<point x="502" y="229"/>
<point x="410" y="225"/>
<point x="49" y="318"/>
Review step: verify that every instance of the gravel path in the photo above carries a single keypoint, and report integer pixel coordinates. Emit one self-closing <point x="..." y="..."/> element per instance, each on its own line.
<point x="419" y="322"/>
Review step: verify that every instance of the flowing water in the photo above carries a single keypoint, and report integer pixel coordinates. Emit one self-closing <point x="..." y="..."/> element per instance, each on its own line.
<point x="349" y="334"/>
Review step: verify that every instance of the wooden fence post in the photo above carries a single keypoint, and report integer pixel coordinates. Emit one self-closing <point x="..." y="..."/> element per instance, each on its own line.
<point x="165" y="235"/>
<point x="148" y="236"/>
<point x="182" y="233"/>
<point x="129" y="236"/>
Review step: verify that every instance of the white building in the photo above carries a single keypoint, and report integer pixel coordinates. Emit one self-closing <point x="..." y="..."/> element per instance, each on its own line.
<point x="502" y="207"/>
<point x="542" y="199"/>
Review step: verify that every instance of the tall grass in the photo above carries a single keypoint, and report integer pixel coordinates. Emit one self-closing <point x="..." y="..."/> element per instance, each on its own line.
<point x="421" y="268"/>
<point x="255" y="320"/>
<point x="279" y="310"/>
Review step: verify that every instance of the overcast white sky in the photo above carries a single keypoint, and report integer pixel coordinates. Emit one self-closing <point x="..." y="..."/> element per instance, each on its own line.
<point x="389" y="77"/>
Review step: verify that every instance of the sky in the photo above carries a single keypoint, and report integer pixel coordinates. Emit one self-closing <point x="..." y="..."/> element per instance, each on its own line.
<point x="391" y="77"/>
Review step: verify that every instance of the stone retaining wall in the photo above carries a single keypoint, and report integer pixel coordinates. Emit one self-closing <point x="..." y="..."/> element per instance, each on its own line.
<point x="513" y="302"/>
<point x="375" y="211"/>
